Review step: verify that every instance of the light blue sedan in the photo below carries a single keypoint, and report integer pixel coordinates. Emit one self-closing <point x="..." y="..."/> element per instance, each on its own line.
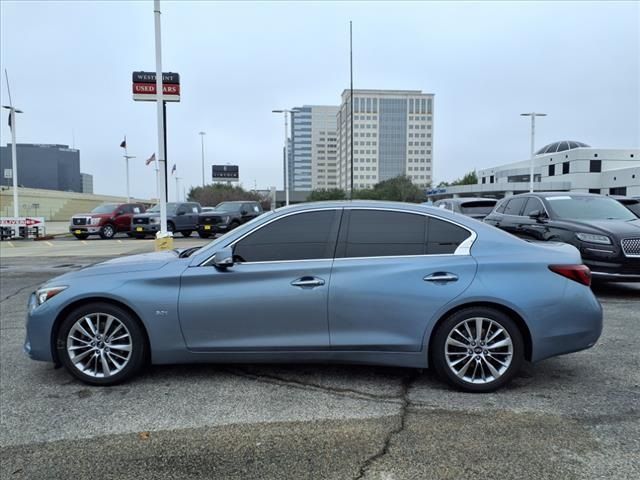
<point x="350" y="282"/>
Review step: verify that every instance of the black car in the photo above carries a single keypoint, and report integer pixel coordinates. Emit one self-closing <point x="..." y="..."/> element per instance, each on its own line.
<point x="605" y="232"/>
<point x="227" y="216"/>
<point x="632" y="203"/>
<point x="477" y="208"/>
<point x="181" y="217"/>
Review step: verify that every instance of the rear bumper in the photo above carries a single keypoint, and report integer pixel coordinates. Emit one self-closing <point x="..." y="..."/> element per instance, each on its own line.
<point x="620" y="270"/>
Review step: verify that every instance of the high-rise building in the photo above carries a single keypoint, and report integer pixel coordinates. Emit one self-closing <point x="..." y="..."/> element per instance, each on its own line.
<point x="392" y="136"/>
<point x="313" y="156"/>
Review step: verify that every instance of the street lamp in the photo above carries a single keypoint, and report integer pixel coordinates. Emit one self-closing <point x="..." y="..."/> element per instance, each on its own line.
<point x="286" y="112"/>
<point x="14" y="160"/>
<point x="202" y="134"/>
<point x="533" y="116"/>
<point x="126" y="159"/>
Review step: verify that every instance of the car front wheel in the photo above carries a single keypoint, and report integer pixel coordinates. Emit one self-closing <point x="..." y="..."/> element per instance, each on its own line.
<point x="101" y="344"/>
<point x="108" y="231"/>
<point x="477" y="349"/>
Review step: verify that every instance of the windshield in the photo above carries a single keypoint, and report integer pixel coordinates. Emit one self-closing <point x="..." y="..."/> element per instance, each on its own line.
<point x="634" y="207"/>
<point x="476" y="208"/>
<point x="106" y="208"/>
<point x="588" y="208"/>
<point x="171" y="208"/>
<point x="228" y="207"/>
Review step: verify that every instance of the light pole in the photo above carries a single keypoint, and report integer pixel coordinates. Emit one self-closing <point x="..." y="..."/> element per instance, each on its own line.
<point x="286" y="112"/>
<point x="162" y="159"/>
<point x="533" y="116"/>
<point x="126" y="160"/>
<point x="14" y="159"/>
<point x="177" y="189"/>
<point x="202" y="134"/>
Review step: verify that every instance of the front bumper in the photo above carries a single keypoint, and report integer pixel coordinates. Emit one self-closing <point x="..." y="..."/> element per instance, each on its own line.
<point x="84" y="229"/>
<point x="619" y="270"/>
<point x="219" y="228"/>
<point x="146" y="228"/>
<point x="37" y="343"/>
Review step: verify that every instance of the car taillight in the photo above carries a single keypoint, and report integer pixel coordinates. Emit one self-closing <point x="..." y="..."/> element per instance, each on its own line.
<point x="578" y="273"/>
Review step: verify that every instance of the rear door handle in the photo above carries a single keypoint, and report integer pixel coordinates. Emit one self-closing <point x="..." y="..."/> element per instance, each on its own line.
<point x="308" y="282"/>
<point x="441" y="277"/>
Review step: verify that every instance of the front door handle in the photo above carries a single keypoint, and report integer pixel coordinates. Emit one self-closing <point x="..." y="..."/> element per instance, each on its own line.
<point x="441" y="277"/>
<point x="308" y="282"/>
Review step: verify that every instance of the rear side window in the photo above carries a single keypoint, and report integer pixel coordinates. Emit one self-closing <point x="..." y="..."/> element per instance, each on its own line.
<point x="302" y="236"/>
<point x="501" y="206"/>
<point x="533" y="204"/>
<point x="374" y="233"/>
<point x="514" y="207"/>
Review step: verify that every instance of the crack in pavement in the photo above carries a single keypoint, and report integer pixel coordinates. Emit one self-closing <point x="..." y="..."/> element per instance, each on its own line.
<point x="404" y="407"/>
<point x="341" y="392"/>
<point x="8" y="297"/>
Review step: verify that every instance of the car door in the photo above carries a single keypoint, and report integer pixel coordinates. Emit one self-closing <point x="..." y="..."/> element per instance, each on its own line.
<point x="274" y="297"/>
<point x="393" y="271"/>
<point x="123" y="218"/>
<point x="511" y="217"/>
<point x="531" y="228"/>
<point x="181" y="220"/>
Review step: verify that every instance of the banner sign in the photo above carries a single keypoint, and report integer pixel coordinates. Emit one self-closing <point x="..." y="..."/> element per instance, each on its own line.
<point x="21" y="221"/>
<point x="225" y="172"/>
<point x="144" y="86"/>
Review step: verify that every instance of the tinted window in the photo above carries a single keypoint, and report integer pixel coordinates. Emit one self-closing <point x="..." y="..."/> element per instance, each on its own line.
<point x="444" y="237"/>
<point x="514" y="206"/>
<point x="302" y="236"/>
<point x="477" y="207"/>
<point x="532" y="205"/>
<point x="105" y="208"/>
<point x="500" y="208"/>
<point x="373" y="233"/>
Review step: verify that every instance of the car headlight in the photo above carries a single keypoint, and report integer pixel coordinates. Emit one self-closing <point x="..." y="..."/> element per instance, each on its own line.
<point x="46" y="293"/>
<point x="593" y="238"/>
<point x="95" y="221"/>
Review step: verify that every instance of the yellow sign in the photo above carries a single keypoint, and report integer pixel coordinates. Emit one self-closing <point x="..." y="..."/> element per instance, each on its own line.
<point x="164" y="243"/>
<point x="78" y="232"/>
<point x="138" y="229"/>
<point x="207" y="227"/>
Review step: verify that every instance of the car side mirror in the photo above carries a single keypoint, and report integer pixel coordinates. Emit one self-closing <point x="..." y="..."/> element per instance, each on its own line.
<point x="538" y="215"/>
<point x="180" y="212"/>
<point x="223" y="258"/>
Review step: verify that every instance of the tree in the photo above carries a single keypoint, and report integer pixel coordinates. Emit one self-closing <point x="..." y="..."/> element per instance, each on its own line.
<point x="399" y="189"/>
<point x="326" y="194"/>
<point x="470" y="178"/>
<point x="211" y="195"/>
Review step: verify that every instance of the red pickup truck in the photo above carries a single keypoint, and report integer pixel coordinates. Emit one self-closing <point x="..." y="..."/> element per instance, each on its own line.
<point x="105" y="220"/>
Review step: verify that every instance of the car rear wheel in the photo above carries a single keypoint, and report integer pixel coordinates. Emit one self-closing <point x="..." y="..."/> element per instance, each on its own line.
<point x="81" y="236"/>
<point x="140" y="236"/>
<point x="108" y="231"/>
<point x="477" y="349"/>
<point x="186" y="233"/>
<point x="101" y="344"/>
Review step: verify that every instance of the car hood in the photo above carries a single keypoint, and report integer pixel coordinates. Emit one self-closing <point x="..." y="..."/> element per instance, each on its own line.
<point x="133" y="263"/>
<point x="148" y="215"/>
<point x="94" y="215"/>
<point x="619" y="228"/>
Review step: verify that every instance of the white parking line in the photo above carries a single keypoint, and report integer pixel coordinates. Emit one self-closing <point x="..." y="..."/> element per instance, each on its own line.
<point x="49" y="243"/>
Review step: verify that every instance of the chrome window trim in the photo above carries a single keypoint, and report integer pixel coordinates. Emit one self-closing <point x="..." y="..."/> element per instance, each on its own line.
<point x="463" y="249"/>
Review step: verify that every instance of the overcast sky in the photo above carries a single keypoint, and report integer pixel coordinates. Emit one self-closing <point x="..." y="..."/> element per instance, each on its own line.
<point x="70" y="67"/>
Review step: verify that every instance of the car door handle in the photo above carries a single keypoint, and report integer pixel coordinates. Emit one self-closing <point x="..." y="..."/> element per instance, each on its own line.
<point x="308" y="282"/>
<point x="441" y="277"/>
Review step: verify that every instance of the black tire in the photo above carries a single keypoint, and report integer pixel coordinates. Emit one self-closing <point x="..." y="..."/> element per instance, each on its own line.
<point x="171" y="227"/>
<point x="233" y="225"/>
<point x="204" y="235"/>
<point x="140" y="236"/>
<point x="130" y="234"/>
<point x="186" y="233"/>
<point x="108" y="232"/>
<point x="439" y="342"/>
<point x="81" y="236"/>
<point x="138" y="354"/>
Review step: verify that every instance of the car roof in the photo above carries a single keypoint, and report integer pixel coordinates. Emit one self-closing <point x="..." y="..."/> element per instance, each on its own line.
<point x="239" y="201"/>
<point x="469" y="199"/>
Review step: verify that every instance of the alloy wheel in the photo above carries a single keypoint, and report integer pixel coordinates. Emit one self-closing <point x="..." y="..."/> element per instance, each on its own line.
<point x="99" y="345"/>
<point x="478" y="350"/>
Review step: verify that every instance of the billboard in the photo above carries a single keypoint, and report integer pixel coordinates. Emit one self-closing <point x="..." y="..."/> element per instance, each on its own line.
<point x="229" y="173"/>
<point x="144" y="86"/>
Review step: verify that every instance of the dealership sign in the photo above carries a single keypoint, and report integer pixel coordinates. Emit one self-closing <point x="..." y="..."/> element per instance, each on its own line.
<point x="144" y="86"/>
<point x="225" y="172"/>
<point x="21" y="221"/>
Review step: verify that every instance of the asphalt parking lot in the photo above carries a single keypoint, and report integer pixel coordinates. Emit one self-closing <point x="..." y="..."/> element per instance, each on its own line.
<point x="576" y="416"/>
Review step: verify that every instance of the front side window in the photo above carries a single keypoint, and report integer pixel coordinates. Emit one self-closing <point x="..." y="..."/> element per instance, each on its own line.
<point x="533" y="205"/>
<point x="514" y="206"/>
<point x="378" y="233"/>
<point x="301" y="236"/>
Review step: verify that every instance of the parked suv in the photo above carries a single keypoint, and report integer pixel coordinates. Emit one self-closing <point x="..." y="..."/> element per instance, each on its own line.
<point x="181" y="217"/>
<point x="105" y="220"/>
<point x="605" y="232"/>
<point x="227" y="216"/>
<point x="477" y="208"/>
